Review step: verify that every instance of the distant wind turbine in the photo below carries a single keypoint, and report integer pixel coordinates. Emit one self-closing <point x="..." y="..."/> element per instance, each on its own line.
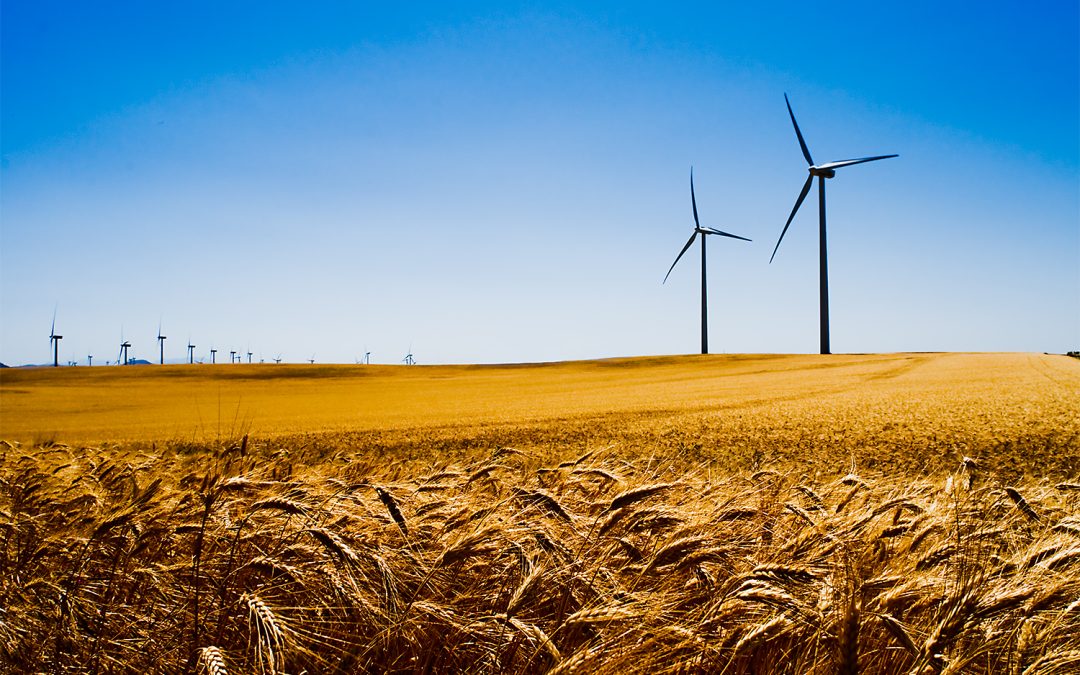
<point x="312" y="360"/>
<point x="822" y="171"/>
<point x="409" y="360"/>
<point x="54" y="341"/>
<point x="703" y="231"/>
<point x="249" y="357"/>
<point x="232" y="356"/>
<point x="278" y="359"/>
<point x="89" y="359"/>
<point x="161" y="344"/>
<point x="190" y="352"/>
<point x="122" y="359"/>
<point x="213" y="356"/>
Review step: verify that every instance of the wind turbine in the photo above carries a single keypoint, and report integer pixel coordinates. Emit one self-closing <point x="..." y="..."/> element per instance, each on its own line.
<point x="190" y="352"/>
<point x="312" y="360"/>
<point x="367" y="358"/>
<point x="89" y="359"/>
<point x="409" y="360"/>
<point x="249" y="357"/>
<point x="122" y="358"/>
<point x="161" y="344"/>
<point x="54" y="341"/>
<point x="822" y="171"/>
<point x="703" y="231"/>
<point x="213" y="356"/>
<point x="232" y="356"/>
<point x="278" y="359"/>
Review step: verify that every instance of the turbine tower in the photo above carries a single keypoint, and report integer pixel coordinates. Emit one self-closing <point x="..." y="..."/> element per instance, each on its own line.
<point x="409" y="360"/>
<point x="213" y="356"/>
<point x="89" y="359"/>
<point x="232" y="356"/>
<point x="249" y="357"/>
<point x="190" y="352"/>
<point x="54" y="341"/>
<point x="703" y="231"/>
<point x="312" y="360"/>
<point x="822" y="171"/>
<point x="161" y="344"/>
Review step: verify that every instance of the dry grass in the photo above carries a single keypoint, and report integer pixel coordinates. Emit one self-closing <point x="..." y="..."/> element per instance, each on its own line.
<point x="880" y="524"/>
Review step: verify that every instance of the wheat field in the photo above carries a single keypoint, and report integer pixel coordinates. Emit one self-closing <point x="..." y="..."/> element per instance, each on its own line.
<point x="877" y="514"/>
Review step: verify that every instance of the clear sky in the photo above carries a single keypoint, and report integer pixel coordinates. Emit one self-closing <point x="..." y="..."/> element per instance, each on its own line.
<point x="497" y="182"/>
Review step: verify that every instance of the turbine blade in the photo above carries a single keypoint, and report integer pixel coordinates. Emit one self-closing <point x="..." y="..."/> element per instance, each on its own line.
<point x="689" y="242"/>
<point x="798" y="203"/>
<point x="52" y="331"/>
<point x="802" y="143"/>
<point x="713" y="230"/>
<point x="849" y="162"/>
<point x="693" y="199"/>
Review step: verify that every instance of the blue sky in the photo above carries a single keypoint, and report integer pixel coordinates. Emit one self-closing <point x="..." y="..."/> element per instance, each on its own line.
<point x="490" y="182"/>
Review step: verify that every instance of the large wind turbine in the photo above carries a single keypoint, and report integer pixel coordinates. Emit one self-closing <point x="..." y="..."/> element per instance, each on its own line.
<point x="190" y="352"/>
<point x="822" y="171"/>
<point x="54" y="341"/>
<point x="703" y="231"/>
<point x="161" y="344"/>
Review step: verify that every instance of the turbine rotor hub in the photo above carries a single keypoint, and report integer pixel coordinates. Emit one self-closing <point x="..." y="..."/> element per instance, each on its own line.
<point x="823" y="173"/>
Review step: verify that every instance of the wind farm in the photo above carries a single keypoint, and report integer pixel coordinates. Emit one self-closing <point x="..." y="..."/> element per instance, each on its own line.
<point x="853" y="449"/>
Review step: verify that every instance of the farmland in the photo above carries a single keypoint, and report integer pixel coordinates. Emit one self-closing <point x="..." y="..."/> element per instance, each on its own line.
<point x="913" y="513"/>
<point x="1018" y="410"/>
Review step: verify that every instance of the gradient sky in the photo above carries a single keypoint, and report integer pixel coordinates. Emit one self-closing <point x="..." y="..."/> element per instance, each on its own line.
<point x="488" y="182"/>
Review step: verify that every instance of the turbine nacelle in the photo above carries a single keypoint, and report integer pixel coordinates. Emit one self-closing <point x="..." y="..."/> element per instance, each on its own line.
<point x="822" y="173"/>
